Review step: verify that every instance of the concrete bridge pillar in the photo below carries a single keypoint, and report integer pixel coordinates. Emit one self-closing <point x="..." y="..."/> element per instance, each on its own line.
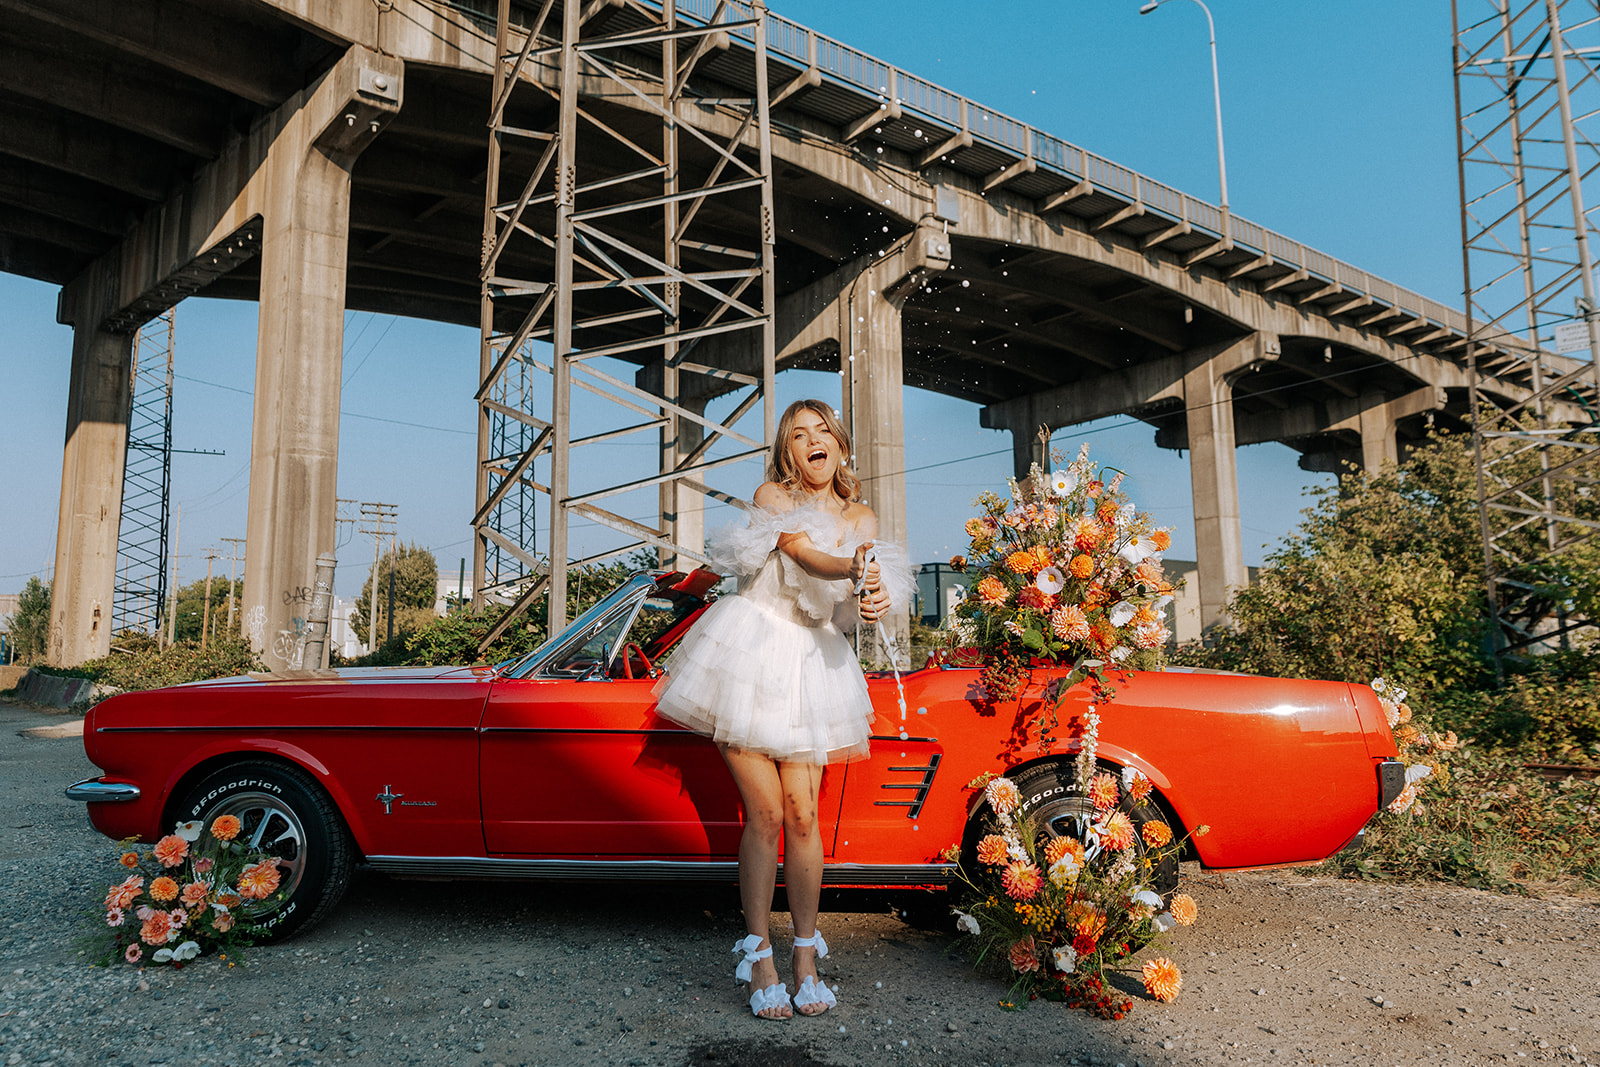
<point x="91" y="477"/>
<point x="1378" y="443"/>
<point x="1213" y="470"/>
<point x="304" y="194"/>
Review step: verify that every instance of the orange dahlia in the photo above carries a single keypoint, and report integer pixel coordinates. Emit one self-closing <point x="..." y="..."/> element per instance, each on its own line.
<point x="1022" y="880"/>
<point x="1070" y="623"/>
<point x="1163" y="540"/>
<point x="259" y="881"/>
<point x="1024" y="957"/>
<point x="1103" y="791"/>
<point x="1086" y="534"/>
<point x="992" y="591"/>
<point x="129" y="859"/>
<point x="978" y="528"/>
<point x="1020" y="561"/>
<point x="1041" y="557"/>
<point x="1156" y="833"/>
<point x="1081" y="566"/>
<point x="1183" y="909"/>
<point x="1140" y="786"/>
<point x="125" y="892"/>
<point x="1117" y="834"/>
<point x="1086" y="918"/>
<point x="1002" y="795"/>
<point x="958" y="563"/>
<point x="164" y="888"/>
<point x="1106" y="512"/>
<point x="1058" y="847"/>
<point x="1162" y="979"/>
<point x="225" y="827"/>
<point x="992" y="850"/>
<point x="157" y="929"/>
<point x="194" y="893"/>
<point x="171" y="850"/>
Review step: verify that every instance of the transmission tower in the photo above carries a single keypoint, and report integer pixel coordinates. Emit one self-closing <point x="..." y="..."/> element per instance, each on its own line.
<point x="1528" y="117"/>
<point x="140" y="594"/>
<point x="558" y="269"/>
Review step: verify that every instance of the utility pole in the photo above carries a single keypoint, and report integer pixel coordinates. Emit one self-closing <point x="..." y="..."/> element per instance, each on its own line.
<point x="379" y="521"/>
<point x="233" y="584"/>
<point x="394" y="558"/>
<point x="205" y="620"/>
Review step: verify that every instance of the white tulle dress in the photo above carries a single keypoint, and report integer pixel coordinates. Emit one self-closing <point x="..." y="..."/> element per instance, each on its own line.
<point x="768" y="669"/>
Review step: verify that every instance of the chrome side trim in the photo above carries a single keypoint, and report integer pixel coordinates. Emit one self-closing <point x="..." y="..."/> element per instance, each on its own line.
<point x="94" y="791"/>
<point x="838" y="874"/>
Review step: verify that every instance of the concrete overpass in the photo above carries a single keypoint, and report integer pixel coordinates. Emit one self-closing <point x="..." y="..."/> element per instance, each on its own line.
<point x="318" y="155"/>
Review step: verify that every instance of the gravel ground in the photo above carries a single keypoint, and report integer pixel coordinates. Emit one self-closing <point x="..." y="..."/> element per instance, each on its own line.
<point x="1281" y="969"/>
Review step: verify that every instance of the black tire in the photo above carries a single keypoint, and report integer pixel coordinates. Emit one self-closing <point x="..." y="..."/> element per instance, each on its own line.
<point x="1052" y="800"/>
<point x="287" y="814"/>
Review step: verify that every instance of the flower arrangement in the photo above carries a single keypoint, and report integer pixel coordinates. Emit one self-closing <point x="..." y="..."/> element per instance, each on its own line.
<point x="187" y="894"/>
<point x="1062" y="911"/>
<point x="1065" y="570"/>
<point x="1422" y="749"/>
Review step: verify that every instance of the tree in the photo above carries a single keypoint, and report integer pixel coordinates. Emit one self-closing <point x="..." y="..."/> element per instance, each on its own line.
<point x="416" y="587"/>
<point x="190" y="604"/>
<point x="30" y="625"/>
<point x="1384" y="577"/>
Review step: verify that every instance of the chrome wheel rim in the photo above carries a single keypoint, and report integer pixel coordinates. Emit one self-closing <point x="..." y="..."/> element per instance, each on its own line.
<point x="269" y="825"/>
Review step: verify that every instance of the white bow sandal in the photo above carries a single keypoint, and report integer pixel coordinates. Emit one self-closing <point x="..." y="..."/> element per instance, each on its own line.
<point x="775" y="995"/>
<point x="812" y="991"/>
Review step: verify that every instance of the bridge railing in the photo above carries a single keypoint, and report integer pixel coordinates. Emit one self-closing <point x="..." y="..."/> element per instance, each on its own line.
<point x="790" y="41"/>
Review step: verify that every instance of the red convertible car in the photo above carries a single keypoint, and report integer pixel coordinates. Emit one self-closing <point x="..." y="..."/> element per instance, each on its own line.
<point x="556" y="766"/>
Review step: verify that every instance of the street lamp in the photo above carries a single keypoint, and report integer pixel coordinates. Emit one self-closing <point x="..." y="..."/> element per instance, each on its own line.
<point x="1216" y="96"/>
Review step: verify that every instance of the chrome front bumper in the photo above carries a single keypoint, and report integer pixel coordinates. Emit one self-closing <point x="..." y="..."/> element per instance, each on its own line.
<point x="95" y="791"/>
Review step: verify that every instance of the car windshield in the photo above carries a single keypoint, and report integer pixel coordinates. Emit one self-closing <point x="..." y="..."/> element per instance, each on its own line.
<point x="620" y="637"/>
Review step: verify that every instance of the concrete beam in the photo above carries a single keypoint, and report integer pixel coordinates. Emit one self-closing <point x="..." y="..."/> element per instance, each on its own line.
<point x="87" y="149"/>
<point x="189" y="39"/>
<point x="1369" y="415"/>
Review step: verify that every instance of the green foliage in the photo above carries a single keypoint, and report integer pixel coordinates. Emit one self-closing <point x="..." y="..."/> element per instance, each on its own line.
<point x="416" y="587"/>
<point x="1383" y="577"/>
<point x="140" y="664"/>
<point x="1495" y="824"/>
<point x="30" y="625"/>
<point x="191" y="609"/>
<point x="455" y="638"/>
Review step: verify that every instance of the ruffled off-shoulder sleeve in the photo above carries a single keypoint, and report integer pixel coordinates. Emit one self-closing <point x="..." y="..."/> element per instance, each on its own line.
<point x="739" y="549"/>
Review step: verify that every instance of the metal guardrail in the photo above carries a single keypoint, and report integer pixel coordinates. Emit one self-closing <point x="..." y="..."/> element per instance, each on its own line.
<point x="796" y="44"/>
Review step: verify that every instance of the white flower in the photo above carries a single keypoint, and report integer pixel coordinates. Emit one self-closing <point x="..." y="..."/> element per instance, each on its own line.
<point x="1050" y="581"/>
<point x="179" y="917"/>
<point x="1126" y="514"/>
<point x="1121" y="652"/>
<point x="1066" y="958"/>
<point x="1121" y="613"/>
<point x="1013" y="629"/>
<point x="1063" y="482"/>
<point x="1164" y="921"/>
<point x="162" y="955"/>
<point x="1130" y="775"/>
<point x="966" y="923"/>
<point x="1417" y="772"/>
<point x="186" y="951"/>
<point x="1064" y="871"/>
<point x="1147" y="898"/>
<point x="190" y="831"/>
<point x="222" y="908"/>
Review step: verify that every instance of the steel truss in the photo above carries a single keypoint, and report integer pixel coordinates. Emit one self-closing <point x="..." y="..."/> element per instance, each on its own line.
<point x="557" y="269"/>
<point x="140" y="594"/>
<point x="1528" y="115"/>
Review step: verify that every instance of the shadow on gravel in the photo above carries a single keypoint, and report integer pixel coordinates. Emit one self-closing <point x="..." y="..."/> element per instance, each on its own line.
<point x="752" y="1053"/>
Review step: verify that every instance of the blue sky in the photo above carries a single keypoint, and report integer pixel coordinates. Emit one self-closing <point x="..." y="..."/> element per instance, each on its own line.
<point x="1339" y="132"/>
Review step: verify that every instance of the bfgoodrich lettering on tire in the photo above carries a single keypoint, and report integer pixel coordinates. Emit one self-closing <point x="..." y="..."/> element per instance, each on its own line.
<point x="284" y="814"/>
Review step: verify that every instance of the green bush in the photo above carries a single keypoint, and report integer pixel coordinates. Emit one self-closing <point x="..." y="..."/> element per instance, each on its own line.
<point x="138" y="663"/>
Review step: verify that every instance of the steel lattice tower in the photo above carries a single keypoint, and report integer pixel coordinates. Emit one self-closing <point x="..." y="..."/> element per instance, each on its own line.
<point x="141" y="589"/>
<point x="1528" y="135"/>
<point x="560" y="268"/>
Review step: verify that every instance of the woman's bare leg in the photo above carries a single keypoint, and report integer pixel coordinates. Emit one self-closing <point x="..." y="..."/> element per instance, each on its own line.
<point x="802" y="862"/>
<point x="761" y="792"/>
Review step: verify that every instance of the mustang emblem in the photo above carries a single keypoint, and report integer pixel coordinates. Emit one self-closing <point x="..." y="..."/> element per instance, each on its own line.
<point x="386" y="798"/>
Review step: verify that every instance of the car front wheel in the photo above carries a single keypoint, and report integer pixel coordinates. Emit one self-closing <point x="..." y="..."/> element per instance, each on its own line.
<point x="284" y="813"/>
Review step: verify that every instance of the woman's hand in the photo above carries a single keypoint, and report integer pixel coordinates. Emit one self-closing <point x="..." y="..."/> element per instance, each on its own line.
<point x="860" y="568"/>
<point x="874" y="605"/>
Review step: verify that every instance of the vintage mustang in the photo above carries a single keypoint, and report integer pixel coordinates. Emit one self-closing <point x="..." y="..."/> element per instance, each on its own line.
<point x="556" y="765"/>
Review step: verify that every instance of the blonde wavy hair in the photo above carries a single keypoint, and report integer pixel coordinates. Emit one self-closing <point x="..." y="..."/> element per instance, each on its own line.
<point x="781" y="469"/>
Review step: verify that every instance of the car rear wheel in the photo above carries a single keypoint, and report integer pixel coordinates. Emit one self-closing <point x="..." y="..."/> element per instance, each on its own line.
<point x="283" y="813"/>
<point x="1057" y="808"/>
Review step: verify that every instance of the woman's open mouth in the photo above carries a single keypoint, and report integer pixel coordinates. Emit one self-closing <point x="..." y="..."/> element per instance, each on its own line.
<point x="817" y="455"/>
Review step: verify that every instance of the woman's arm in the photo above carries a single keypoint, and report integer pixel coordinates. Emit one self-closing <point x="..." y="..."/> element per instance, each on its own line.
<point x="813" y="560"/>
